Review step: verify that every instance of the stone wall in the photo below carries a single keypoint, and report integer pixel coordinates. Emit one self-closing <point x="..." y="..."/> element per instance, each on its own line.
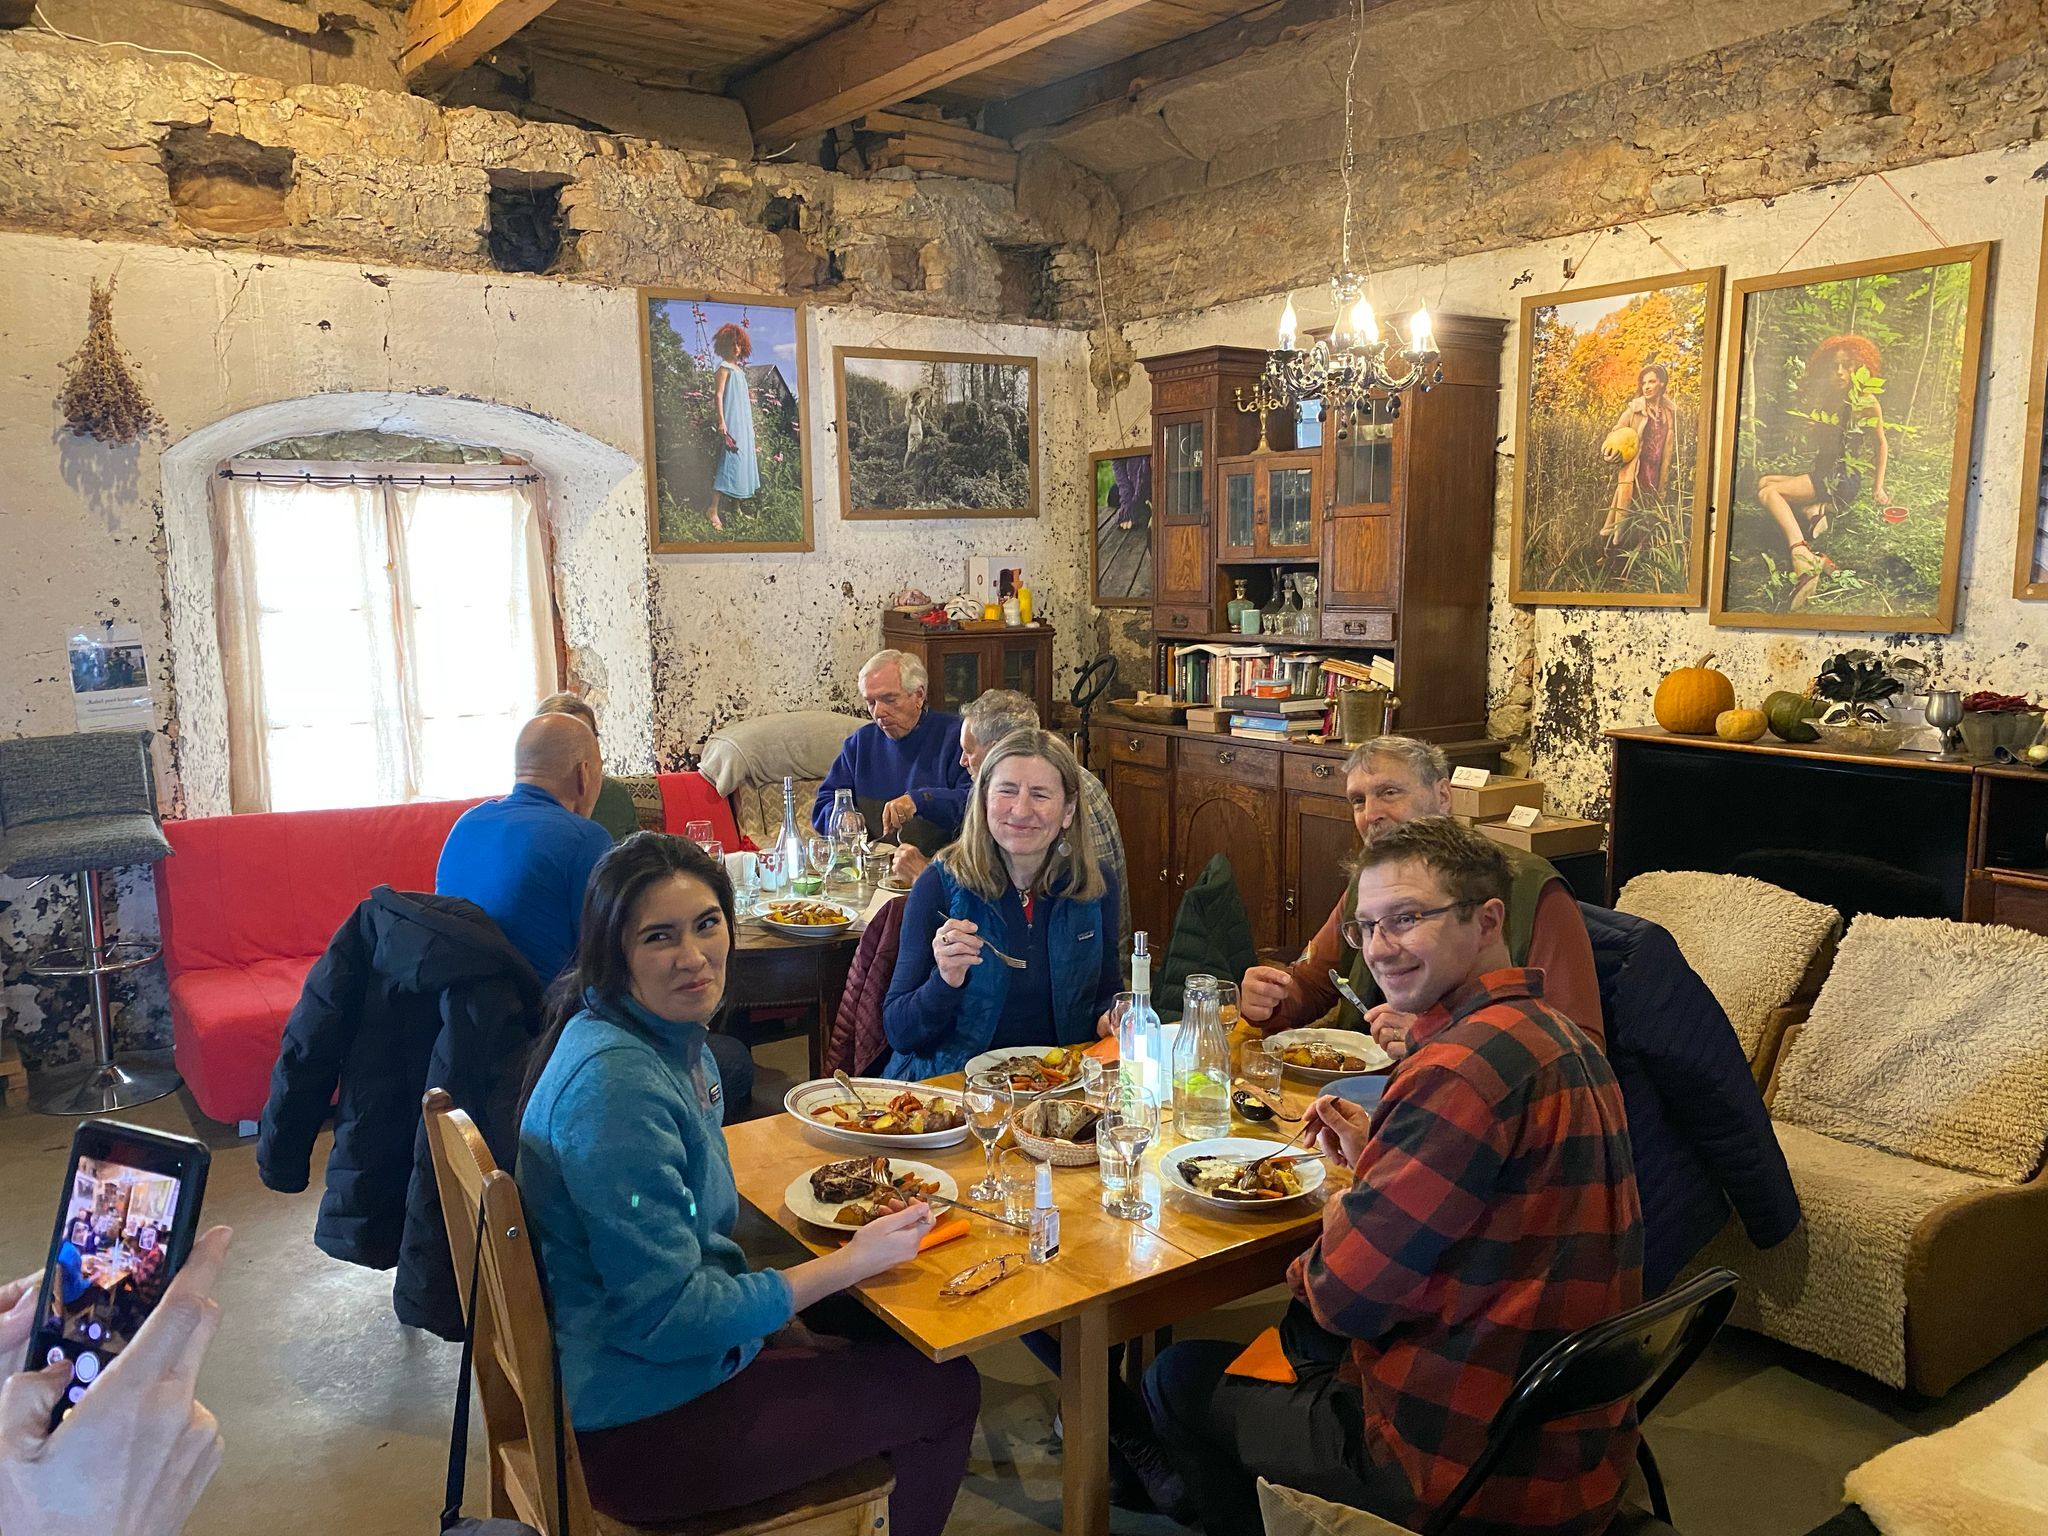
<point x="1561" y="676"/>
<point x="1879" y="85"/>
<point x="370" y="301"/>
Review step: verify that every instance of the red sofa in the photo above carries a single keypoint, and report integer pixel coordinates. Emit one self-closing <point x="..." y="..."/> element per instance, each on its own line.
<point x="248" y="903"/>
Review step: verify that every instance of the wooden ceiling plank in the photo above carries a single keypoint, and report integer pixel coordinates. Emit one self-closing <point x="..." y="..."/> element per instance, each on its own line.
<point x="898" y="50"/>
<point x="1258" y="27"/>
<point x="443" y="37"/>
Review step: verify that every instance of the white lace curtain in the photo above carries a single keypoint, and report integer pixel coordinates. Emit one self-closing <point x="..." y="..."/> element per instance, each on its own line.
<point x="380" y="642"/>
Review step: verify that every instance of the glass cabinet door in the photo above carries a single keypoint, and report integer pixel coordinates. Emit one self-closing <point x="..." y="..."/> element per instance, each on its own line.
<point x="1020" y="668"/>
<point x="1290" y="508"/>
<point x="1239" y="502"/>
<point x="1183" y="445"/>
<point x="958" y="670"/>
<point x="1364" y="464"/>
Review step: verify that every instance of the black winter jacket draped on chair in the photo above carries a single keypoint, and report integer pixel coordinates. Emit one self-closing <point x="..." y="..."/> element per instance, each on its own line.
<point x="1701" y="1135"/>
<point x="414" y="992"/>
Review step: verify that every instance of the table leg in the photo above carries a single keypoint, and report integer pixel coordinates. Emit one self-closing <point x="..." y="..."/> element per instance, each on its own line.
<point x="821" y="1029"/>
<point x="1084" y="1419"/>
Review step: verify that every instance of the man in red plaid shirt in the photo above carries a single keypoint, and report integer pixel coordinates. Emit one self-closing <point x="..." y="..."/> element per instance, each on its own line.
<point x="1492" y="1212"/>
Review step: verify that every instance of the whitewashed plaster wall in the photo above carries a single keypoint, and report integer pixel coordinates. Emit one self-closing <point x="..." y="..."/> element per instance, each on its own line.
<point x="1593" y="668"/>
<point x="222" y="343"/>
<point x="740" y="635"/>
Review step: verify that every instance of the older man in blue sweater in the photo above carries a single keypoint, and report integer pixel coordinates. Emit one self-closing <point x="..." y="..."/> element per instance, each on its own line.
<point x="904" y="752"/>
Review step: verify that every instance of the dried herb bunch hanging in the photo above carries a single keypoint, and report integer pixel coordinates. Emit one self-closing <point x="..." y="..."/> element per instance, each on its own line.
<point x="100" y="397"/>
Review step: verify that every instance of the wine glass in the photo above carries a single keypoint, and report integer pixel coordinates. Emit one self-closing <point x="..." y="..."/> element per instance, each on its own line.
<point x="989" y="1098"/>
<point x="821" y="853"/>
<point x="1124" y="1134"/>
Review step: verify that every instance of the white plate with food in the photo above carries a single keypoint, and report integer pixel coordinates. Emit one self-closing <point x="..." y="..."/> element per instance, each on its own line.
<point x="1324" y="1055"/>
<point x="852" y="1192"/>
<point x="1033" y="1068"/>
<point x="891" y="1114"/>
<point x="1239" y="1173"/>
<point x="806" y="917"/>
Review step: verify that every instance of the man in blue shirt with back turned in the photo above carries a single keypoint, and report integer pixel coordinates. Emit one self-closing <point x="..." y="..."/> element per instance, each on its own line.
<point x="525" y="859"/>
<point x="905" y="750"/>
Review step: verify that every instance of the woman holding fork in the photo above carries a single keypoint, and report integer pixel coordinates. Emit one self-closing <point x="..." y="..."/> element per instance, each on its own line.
<point x="1010" y="936"/>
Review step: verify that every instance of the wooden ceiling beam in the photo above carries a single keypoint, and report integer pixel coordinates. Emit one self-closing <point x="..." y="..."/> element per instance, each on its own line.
<point x="898" y="50"/>
<point x="444" y="37"/>
<point x="1122" y="80"/>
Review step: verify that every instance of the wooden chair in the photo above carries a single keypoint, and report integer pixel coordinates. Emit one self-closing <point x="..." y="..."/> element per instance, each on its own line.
<point x="514" y="1354"/>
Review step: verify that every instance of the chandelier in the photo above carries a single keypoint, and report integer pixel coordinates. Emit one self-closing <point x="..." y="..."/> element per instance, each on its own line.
<point x="1356" y="372"/>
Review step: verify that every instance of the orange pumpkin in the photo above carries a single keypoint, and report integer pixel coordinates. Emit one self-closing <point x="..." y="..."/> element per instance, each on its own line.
<point x="1690" y="699"/>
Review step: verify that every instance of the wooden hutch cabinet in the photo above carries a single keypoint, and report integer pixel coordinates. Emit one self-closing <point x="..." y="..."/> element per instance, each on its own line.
<point x="1395" y="521"/>
<point x="965" y="663"/>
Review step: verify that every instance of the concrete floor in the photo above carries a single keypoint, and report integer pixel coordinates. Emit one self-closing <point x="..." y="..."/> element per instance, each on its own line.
<point x="336" y="1417"/>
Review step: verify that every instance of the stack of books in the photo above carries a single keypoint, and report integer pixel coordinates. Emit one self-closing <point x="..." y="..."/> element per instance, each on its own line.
<point x="1274" y="719"/>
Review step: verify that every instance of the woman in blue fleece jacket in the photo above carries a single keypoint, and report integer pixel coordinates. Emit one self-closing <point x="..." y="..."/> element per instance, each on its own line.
<point x="670" y="1341"/>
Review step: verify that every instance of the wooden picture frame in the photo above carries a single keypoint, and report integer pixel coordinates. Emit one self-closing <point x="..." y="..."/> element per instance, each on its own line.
<point x="679" y="419"/>
<point x="1572" y="411"/>
<point x="2030" y="558"/>
<point x="1122" y="552"/>
<point x="901" y="453"/>
<point x="1864" y="563"/>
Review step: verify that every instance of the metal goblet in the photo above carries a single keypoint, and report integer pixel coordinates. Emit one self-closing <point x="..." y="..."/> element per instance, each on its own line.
<point x="1945" y="713"/>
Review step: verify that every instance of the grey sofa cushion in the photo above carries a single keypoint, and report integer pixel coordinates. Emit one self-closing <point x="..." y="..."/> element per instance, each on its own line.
<point x="80" y="843"/>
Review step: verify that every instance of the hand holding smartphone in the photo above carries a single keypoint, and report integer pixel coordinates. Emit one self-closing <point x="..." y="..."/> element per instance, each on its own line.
<point x="126" y="1216"/>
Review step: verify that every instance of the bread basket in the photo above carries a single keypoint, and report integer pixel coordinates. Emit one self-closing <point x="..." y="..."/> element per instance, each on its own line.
<point x="1025" y="1129"/>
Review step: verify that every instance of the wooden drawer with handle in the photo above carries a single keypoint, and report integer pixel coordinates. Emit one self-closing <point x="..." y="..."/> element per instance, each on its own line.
<point x="1368" y="625"/>
<point x="1129" y="746"/>
<point x="1228" y="760"/>
<point x="1316" y="774"/>
<point x="1171" y="623"/>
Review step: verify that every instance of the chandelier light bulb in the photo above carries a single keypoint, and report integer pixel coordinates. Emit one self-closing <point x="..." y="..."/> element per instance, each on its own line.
<point x="1364" y="324"/>
<point x="1289" y="325"/>
<point x="1419" y="338"/>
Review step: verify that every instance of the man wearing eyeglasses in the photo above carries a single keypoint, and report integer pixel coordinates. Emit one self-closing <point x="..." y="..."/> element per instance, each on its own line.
<point x="1393" y="779"/>
<point x="1492" y="1211"/>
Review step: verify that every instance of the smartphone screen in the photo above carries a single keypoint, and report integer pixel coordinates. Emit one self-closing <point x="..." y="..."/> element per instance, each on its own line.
<point x="126" y="1217"/>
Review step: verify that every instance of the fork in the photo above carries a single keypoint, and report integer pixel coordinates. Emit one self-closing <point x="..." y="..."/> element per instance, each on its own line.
<point x="1010" y="960"/>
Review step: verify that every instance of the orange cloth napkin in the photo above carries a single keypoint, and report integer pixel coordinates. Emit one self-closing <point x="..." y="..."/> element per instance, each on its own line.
<point x="944" y="1232"/>
<point x="1263" y="1360"/>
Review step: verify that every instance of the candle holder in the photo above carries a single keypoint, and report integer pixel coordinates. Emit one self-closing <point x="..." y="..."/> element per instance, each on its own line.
<point x="1266" y="396"/>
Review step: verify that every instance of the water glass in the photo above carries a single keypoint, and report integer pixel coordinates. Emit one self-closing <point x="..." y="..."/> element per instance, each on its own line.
<point x="772" y="864"/>
<point x="1121" y="1139"/>
<point x="989" y="1097"/>
<point x="1260" y="1067"/>
<point x="1019" y="1173"/>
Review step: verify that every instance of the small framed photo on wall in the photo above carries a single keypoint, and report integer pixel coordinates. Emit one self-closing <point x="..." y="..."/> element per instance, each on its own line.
<point x="725" y="387"/>
<point x="1845" y="444"/>
<point x="936" y="434"/>
<point x="1120" y="553"/>
<point x="1613" y="440"/>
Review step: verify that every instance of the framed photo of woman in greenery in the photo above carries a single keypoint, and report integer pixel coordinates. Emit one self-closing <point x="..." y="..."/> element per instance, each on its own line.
<point x="726" y="389"/>
<point x="1845" y="444"/>
<point x="1613" y="441"/>
<point x="936" y="434"/>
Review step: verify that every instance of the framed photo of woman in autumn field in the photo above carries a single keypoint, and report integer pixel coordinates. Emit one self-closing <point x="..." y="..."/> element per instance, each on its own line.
<point x="1612" y="443"/>
<point x="1845" y="444"/>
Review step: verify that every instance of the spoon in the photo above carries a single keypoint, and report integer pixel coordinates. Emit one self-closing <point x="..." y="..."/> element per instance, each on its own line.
<point x="852" y="1092"/>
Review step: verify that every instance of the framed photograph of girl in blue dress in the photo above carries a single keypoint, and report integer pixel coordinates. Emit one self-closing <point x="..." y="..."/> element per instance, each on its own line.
<point x="1846" y="419"/>
<point x="725" y="388"/>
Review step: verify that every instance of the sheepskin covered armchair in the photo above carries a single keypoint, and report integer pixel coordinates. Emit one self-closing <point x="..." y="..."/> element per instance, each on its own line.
<point x="1912" y="1107"/>
<point x="748" y="760"/>
<point x="1761" y="950"/>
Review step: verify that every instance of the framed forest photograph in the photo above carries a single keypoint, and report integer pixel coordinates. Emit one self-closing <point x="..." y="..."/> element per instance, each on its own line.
<point x="1845" y="444"/>
<point x="1613" y="443"/>
<point x="2030" y="562"/>
<point x="724" y="383"/>
<point x="1120" y="550"/>
<point x="936" y="434"/>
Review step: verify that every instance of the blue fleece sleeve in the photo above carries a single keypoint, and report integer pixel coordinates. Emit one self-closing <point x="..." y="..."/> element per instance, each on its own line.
<point x="663" y="1302"/>
<point x="944" y="807"/>
<point x="844" y="772"/>
<point x="920" y="1009"/>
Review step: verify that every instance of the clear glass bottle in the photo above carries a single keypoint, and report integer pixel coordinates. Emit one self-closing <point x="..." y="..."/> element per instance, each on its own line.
<point x="1237" y="606"/>
<point x="849" y="829"/>
<point x="1290" y="611"/>
<point x="1270" y="615"/>
<point x="1201" y="1068"/>
<point x="1044" y="1236"/>
<point x="1310" y="624"/>
<point x="1139" y="1067"/>
<point x="791" y="838"/>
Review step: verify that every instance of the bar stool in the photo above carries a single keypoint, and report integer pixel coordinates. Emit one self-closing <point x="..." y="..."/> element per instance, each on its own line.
<point x="75" y="805"/>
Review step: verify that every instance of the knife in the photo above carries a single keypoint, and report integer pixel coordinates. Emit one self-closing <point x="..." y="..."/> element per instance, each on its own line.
<point x="1344" y="991"/>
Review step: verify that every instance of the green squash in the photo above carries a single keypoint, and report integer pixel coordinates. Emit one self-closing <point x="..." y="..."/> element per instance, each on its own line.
<point x="1790" y="714"/>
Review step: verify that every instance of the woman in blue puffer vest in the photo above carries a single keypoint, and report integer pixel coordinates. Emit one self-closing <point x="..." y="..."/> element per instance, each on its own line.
<point x="1022" y="878"/>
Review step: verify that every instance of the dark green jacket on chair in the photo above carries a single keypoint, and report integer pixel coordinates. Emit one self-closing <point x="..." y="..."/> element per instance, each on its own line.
<point x="1211" y="934"/>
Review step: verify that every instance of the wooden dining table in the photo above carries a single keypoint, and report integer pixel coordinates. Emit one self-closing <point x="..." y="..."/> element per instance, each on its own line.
<point x="1113" y="1279"/>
